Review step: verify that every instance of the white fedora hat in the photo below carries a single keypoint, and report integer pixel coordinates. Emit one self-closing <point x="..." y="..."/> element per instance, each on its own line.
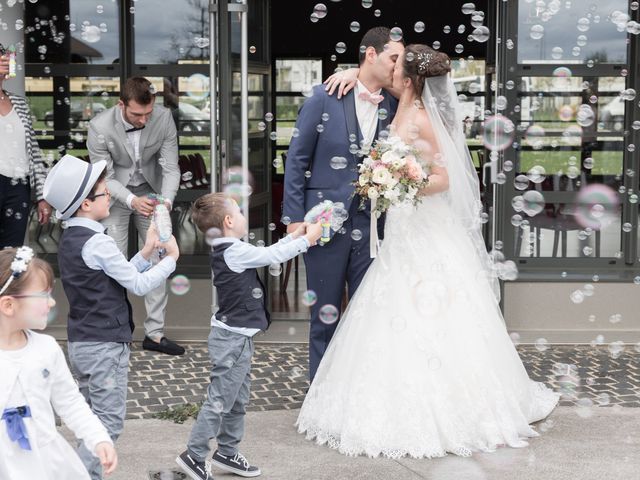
<point x="69" y="182"/>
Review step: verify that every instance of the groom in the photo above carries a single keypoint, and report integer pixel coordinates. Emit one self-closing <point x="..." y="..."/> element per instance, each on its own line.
<point x="354" y="120"/>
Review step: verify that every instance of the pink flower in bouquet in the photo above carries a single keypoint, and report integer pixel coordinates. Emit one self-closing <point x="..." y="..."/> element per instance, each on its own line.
<point x="413" y="168"/>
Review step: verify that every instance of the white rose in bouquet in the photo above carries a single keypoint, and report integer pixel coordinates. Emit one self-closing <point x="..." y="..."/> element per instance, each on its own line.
<point x="372" y="193"/>
<point x="363" y="179"/>
<point x="398" y="163"/>
<point x="391" y="195"/>
<point x="389" y="157"/>
<point x="381" y="176"/>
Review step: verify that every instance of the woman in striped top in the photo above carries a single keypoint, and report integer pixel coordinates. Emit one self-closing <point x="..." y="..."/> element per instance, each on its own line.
<point x="22" y="167"/>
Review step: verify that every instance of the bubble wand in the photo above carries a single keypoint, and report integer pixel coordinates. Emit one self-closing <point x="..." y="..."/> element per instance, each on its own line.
<point x="323" y="212"/>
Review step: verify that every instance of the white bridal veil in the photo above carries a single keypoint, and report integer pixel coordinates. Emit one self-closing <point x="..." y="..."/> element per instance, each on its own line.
<point x="441" y="103"/>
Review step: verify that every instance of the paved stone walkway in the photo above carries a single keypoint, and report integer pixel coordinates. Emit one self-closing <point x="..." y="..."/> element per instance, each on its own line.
<point x="586" y="375"/>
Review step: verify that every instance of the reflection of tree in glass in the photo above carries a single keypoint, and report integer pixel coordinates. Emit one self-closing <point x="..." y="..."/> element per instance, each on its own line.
<point x="597" y="57"/>
<point x="194" y="29"/>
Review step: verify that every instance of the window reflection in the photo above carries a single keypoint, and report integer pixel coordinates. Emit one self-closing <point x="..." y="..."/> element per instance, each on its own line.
<point x="72" y="31"/>
<point x="572" y="32"/>
<point x="177" y="34"/>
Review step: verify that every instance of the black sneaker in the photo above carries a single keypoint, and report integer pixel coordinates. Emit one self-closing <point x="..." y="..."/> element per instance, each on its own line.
<point x="235" y="464"/>
<point x="195" y="469"/>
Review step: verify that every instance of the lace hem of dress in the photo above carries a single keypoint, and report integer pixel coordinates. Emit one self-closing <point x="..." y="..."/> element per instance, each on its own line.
<point x="542" y="402"/>
<point x="374" y="451"/>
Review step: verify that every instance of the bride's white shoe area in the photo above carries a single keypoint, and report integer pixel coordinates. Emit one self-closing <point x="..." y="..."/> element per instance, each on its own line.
<point x="421" y="364"/>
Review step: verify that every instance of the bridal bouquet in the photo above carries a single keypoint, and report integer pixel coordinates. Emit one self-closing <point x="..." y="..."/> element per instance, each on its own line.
<point x="391" y="174"/>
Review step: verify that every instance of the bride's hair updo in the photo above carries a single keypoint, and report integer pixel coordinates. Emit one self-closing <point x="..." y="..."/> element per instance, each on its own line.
<point x="422" y="62"/>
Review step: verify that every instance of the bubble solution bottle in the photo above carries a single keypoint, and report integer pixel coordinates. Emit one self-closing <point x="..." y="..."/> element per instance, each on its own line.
<point x="162" y="222"/>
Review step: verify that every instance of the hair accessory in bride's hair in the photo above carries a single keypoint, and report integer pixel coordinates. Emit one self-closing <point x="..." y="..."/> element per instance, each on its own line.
<point x="424" y="59"/>
<point x="19" y="265"/>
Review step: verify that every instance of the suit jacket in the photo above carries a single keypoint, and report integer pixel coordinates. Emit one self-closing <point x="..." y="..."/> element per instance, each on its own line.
<point x="313" y="150"/>
<point x="108" y="141"/>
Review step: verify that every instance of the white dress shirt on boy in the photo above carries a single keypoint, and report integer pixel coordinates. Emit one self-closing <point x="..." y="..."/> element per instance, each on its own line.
<point x="100" y="252"/>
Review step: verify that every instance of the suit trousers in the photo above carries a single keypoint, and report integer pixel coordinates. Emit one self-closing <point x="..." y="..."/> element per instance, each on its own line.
<point x="342" y="261"/>
<point x="117" y="224"/>
<point x="101" y="370"/>
<point x="222" y="413"/>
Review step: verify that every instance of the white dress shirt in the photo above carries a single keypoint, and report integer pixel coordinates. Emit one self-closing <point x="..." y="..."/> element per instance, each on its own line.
<point x="367" y="114"/>
<point x="134" y="138"/>
<point x="14" y="162"/>
<point x="242" y="255"/>
<point x="100" y="252"/>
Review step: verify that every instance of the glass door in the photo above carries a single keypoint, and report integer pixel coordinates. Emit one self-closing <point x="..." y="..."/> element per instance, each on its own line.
<point x="241" y="148"/>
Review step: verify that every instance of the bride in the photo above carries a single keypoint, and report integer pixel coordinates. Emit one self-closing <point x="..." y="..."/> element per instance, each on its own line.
<point x="421" y="363"/>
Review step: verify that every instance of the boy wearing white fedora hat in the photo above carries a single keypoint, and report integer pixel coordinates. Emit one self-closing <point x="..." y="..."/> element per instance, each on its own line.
<point x="96" y="276"/>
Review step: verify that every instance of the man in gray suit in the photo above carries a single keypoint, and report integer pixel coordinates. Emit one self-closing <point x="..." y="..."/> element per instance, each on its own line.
<point x="138" y="140"/>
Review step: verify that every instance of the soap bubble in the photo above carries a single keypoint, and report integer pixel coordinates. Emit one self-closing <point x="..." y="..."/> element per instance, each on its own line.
<point x="481" y="34"/>
<point x="597" y="206"/>
<point x="419" y="27"/>
<point x="212" y="234"/>
<point x="197" y="86"/>
<point x="498" y="132"/>
<point x="329" y="314"/>
<point x="275" y="269"/>
<point x="91" y="34"/>
<point x="356" y="235"/>
<point x="309" y="298"/>
<point x="536" y="32"/>
<point x="180" y="285"/>
<point x="338" y="163"/>
<point x="256" y="293"/>
<point x="542" y="344"/>
<point x="320" y="10"/>
<point x="534" y="202"/>
<point x="395" y="34"/>
<point x="468" y="8"/>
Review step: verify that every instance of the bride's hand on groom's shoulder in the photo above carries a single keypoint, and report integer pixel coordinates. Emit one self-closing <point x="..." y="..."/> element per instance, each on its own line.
<point x="344" y="81"/>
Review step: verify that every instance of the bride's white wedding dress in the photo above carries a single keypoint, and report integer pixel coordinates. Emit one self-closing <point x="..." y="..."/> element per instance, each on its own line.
<point x="421" y="363"/>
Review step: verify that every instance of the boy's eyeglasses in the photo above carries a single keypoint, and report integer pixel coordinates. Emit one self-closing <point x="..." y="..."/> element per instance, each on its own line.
<point x="46" y="294"/>
<point x="106" y="193"/>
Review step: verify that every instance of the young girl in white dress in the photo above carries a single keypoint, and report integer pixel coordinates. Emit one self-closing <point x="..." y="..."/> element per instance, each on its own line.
<point x="421" y="363"/>
<point x="35" y="381"/>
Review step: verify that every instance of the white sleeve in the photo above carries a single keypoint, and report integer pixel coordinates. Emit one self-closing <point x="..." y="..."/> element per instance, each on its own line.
<point x="100" y="252"/>
<point x="241" y="255"/>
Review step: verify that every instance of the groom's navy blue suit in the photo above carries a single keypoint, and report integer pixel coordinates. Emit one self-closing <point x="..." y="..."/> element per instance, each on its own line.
<point x="346" y="257"/>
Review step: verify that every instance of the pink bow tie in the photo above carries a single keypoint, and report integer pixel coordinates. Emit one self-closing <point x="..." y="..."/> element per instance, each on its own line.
<point x="370" y="97"/>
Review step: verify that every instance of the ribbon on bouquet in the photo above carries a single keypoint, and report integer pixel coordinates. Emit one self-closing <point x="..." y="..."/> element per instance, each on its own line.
<point x="16" y="429"/>
<point x="373" y="231"/>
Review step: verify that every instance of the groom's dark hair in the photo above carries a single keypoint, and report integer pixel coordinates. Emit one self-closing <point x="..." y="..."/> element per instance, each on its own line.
<point x="138" y="89"/>
<point x="376" y="37"/>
